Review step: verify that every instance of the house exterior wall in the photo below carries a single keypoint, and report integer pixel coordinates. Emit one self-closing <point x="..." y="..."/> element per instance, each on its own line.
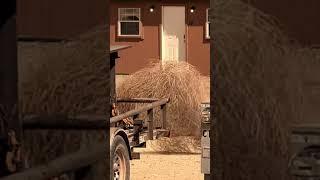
<point x="142" y="49"/>
<point x="64" y="19"/>
<point x="147" y="49"/>
<point x="198" y="49"/>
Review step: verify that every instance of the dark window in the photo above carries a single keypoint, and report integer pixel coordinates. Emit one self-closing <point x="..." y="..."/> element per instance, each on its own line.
<point x="129" y="28"/>
<point x="129" y="21"/>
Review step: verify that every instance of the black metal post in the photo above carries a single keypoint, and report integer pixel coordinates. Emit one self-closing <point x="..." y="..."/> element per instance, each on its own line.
<point x="113" y="57"/>
<point x="150" y="124"/>
<point x="163" y="114"/>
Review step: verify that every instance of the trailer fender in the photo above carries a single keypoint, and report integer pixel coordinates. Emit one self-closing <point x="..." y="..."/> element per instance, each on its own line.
<point x="120" y="132"/>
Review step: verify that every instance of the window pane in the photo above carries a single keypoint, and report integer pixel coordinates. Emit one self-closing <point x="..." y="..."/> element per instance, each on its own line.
<point x="129" y="28"/>
<point x="129" y="11"/>
<point x="127" y="14"/>
<point x="122" y="11"/>
<point x="129" y="18"/>
<point x="136" y="11"/>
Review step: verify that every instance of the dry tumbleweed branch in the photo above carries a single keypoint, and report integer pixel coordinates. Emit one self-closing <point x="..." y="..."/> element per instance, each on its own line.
<point x="180" y="82"/>
<point x="259" y="77"/>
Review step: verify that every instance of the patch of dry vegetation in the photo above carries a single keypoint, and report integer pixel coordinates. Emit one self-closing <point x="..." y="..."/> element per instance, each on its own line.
<point x="258" y="94"/>
<point x="70" y="78"/>
<point x="180" y="82"/>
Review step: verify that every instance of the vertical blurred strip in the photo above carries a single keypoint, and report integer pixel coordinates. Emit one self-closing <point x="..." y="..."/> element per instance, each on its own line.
<point x="8" y="79"/>
<point x="216" y="169"/>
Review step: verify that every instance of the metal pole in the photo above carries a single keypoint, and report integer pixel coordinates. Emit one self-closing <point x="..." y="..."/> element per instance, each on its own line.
<point x="150" y="124"/>
<point x="164" y="116"/>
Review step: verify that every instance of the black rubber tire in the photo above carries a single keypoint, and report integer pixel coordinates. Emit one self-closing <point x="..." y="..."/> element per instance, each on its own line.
<point x="119" y="145"/>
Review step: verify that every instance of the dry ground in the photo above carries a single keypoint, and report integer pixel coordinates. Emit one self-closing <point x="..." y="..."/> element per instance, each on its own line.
<point x="157" y="166"/>
<point x="168" y="159"/>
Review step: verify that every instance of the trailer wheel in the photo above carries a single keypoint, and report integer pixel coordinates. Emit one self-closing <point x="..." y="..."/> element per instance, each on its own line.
<point x="120" y="166"/>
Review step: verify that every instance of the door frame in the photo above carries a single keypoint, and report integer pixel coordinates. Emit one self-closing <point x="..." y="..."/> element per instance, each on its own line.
<point x="161" y="29"/>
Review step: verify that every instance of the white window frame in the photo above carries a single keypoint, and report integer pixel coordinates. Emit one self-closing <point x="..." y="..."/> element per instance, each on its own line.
<point x="119" y="24"/>
<point x="207" y="33"/>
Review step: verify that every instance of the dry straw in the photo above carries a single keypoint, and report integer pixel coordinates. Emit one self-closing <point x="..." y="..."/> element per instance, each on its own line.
<point x="180" y="82"/>
<point x="70" y="78"/>
<point x="259" y="77"/>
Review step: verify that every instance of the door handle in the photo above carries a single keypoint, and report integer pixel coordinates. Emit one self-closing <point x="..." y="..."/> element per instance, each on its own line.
<point x="184" y="38"/>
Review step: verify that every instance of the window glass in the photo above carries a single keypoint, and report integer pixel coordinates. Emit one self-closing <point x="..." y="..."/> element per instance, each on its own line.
<point x="129" y="21"/>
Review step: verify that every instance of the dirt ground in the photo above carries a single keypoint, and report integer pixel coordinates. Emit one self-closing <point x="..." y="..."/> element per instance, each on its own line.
<point x="168" y="159"/>
<point x="157" y="166"/>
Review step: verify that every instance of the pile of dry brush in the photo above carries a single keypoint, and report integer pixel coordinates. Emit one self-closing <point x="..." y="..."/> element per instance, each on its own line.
<point x="180" y="82"/>
<point x="71" y="78"/>
<point x="258" y="91"/>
